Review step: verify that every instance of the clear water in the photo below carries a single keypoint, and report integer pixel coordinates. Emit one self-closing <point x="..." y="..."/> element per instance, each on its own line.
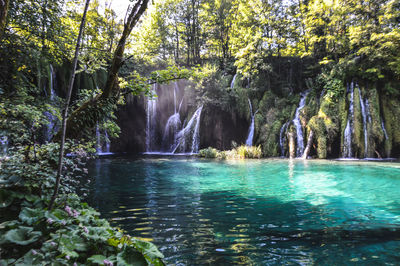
<point x="255" y="212"/>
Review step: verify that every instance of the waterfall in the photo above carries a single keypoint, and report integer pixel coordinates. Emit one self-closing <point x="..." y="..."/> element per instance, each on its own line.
<point x="171" y="130"/>
<point x="365" y="114"/>
<point x="52" y="119"/>
<point x="196" y="134"/>
<point x="297" y="123"/>
<point x="175" y="89"/>
<point x="282" y="139"/>
<point x="190" y="132"/>
<point x="173" y="136"/>
<point x="347" y="151"/>
<point x="100" y="144"/>
<point x="98" y="140"/>
<point x="107" y="142"/>
<point x="151" y="119"/>
<point x="249" y="140"/>
<point x="233" y="81"/>
<point x="3" y="145"/>
<point x="384" y="130"/>
<point x="173" y="125"/>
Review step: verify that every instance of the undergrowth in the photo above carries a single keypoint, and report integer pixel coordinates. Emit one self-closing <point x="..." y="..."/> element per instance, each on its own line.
<point x="72" y="232"/>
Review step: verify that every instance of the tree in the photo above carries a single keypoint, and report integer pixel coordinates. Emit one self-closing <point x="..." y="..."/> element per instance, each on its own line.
<point x="67" y="101"/>
<point x="105" y="101"/>
<point x="3" y="15"/>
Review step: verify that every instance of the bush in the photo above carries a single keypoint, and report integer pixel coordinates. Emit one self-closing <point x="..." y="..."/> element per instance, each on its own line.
<point x="209" y="153"/>
<point x="241" y="152"/>
<point x="212" y="153"/>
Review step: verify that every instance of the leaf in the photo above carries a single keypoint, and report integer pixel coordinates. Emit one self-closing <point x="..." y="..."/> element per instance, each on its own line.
<point x="148" y="249"/>
<point x="73" y="242"/>
<point x="6" y="198"/>
<point x="31" y="216"/>
<point x="22" y="235"/>
<point x="113" y="242"/>
<point x="12" y="180"/>
<point x="130" y="256"/>
<point x="97" y="259"/>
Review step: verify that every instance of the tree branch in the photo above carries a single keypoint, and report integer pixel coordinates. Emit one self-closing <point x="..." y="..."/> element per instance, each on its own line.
<point x="65" y="113"/>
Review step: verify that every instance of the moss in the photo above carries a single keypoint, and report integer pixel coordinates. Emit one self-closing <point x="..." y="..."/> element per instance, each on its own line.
<point x="376" y="135"/>
<point x="394" y="116"/>
<point x="258" y="121"/>
<point x="389" y="121"/>
<point x="317" y="124"/>
<point x="322" y="147"/>
<point x="270" y="139"/>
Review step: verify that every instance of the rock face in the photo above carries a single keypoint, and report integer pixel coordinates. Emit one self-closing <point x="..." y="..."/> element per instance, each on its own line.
<point x="373" y="132"/>
<point x="132" y="121"/>
<point x="218" y="128"/>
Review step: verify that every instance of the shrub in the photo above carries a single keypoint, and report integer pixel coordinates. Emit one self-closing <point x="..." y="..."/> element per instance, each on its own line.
<point x="244" y="152"/>
<point x="209" y="153"/>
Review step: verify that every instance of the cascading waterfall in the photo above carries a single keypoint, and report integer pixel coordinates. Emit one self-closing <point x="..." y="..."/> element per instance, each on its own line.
<point x="365" y="114"/>
<point x="151" y="119"/>
<point x="98" y="140"/>
<point x="190" y="132"/>
<point x="107" y="141"/>
<point x="99" y="144"/>
<point x="282" y="138"/>
<point x="176" y="137"/>
<point x="233" y="81"/>
<point x="52" y="119"/>
<point x="297" y="123"/>
<point x="4" y="146"/>
<point x="173" y="125"/>
<point x="347" y="150"/>
<point x="171" y="130"/>
<point x="384" y="129"/>
<point x="249" y="140"/>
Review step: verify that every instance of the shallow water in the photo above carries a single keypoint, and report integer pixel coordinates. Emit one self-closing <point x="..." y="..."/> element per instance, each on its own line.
<point x="255" y="211"/>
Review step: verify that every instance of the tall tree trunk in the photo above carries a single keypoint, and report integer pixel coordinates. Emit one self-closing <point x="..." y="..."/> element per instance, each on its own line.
<point x="65" y="113"/>
<point x="3" y="15"/>
<point x="308" y="147"/>
<point x="111" y="89"/>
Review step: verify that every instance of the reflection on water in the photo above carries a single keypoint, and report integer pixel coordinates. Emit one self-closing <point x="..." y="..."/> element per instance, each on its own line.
<point x="254" y="212"/>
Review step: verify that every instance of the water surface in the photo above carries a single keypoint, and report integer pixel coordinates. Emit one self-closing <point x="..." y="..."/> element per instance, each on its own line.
<point x="256" y="211"/>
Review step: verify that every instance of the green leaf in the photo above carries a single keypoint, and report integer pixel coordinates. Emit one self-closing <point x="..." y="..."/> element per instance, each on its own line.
<point x="31" y="216"/>
<point x="130" y="256"/>
<point x="97" y="259"/>
<point x="73" y="242"/>
<point x="22" y="236"/>
<point x="148" y="249"/>
<point x="6" y="198"/>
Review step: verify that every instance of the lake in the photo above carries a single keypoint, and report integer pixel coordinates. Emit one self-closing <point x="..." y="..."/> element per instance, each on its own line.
<point x="272" y="211"/>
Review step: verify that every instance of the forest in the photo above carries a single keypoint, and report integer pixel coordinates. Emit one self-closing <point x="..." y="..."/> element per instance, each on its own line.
<point x="220" y="79"/>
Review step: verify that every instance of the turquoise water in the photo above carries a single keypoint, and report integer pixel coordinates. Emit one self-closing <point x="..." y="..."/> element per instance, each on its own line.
<point x="258" y="212"/>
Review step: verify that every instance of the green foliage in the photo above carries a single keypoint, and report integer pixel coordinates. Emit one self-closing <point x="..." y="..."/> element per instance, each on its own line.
<point x="71" y="232"/>
<point x="245" y="152"/>
<point x="240" y="152"/>
<point x="208" y="152"/>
